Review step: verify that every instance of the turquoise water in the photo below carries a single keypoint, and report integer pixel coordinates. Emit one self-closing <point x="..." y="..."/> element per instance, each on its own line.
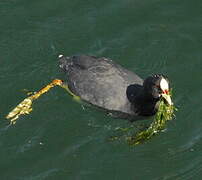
<point x="62" y="139"/>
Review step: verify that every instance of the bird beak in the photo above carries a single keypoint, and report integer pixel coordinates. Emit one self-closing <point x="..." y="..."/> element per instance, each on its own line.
<point x="167" y="98"/>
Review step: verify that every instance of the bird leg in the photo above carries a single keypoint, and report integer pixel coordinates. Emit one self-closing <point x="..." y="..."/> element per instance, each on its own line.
<point x="25" y="107"/>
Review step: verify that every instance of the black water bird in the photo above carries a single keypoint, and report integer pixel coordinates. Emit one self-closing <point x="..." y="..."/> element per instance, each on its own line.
<point x="103" y="83"/>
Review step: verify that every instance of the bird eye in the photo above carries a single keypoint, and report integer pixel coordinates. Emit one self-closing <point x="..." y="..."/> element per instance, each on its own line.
<point x="158" y="89"/>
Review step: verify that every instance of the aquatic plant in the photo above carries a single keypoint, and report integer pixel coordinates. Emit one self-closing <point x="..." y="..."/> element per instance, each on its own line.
<point x="165" y="113"/>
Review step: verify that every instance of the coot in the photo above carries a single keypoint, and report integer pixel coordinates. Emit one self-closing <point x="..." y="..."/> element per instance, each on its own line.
<point x="105" y="84"/>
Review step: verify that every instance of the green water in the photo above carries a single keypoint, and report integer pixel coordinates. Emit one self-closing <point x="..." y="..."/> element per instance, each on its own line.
<point x="61" y="139"/>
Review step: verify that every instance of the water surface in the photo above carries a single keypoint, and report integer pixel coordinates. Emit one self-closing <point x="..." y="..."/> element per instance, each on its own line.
<point x="61" y="139"/>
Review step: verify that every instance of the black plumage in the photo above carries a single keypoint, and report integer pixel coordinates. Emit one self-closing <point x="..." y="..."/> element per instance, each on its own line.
<point x="106" y="84"/>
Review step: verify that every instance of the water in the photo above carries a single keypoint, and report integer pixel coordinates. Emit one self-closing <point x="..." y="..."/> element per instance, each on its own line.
<point x="61" y="139"/>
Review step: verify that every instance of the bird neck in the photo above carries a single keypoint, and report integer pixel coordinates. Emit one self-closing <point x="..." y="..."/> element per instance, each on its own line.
<point x="145" y="104"/>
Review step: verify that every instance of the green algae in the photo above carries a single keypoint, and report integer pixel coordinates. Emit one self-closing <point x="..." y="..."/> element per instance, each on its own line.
<point x="165" y="113"/>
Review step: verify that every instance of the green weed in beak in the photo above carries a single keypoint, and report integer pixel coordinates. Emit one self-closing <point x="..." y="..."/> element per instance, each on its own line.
<point x="164" y="114"/>
<point x="167" y="98"/>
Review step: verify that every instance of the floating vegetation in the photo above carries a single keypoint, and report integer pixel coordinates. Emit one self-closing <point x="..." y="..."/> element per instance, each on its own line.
<point x="164" y="114"/>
